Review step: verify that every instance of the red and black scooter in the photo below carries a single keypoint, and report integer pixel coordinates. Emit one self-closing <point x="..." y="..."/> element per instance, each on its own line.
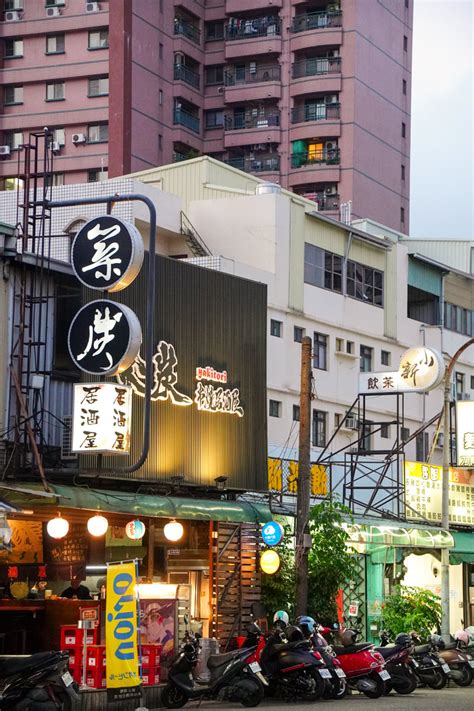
<point x="399" y="663"/>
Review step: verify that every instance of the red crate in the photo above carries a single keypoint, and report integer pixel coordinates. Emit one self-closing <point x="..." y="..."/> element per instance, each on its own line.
<point x="72" y="636"/>
<point x="75" y="657"/>
<point x="96" y="679"/>
<point x="96" y="656"/>
<point x="150" y="677"/>
<point x="151" y="655"/>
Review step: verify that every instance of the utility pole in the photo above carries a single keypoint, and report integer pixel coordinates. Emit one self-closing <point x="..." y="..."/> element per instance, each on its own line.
<point x="304" y="490"/>
<point x="445" y="491"/>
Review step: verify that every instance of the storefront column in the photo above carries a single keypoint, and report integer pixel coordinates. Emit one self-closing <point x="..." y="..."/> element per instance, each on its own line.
<point x="374" y="597"/>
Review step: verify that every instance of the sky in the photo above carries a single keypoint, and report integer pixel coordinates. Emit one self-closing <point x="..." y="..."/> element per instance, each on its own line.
<point x="442" y="147"/>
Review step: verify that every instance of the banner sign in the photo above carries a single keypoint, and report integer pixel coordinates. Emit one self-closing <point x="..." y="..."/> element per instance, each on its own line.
<point x="423" y="493"/>
<point x="102" y="415"/>
<point x="121" y="633"/>
<point x="465" y="433"/>
<point x="283" y="477"/>
<point x="421" y="369"/>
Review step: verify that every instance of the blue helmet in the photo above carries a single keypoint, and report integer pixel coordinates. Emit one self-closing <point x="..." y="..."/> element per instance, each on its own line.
<point x="306" y="623"/>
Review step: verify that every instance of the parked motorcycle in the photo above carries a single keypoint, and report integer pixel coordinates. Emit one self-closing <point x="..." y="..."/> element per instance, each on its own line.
<point x="398" y="663"/>
<point x="460" y="662"/>
<point x="362" y="664"/>
<point x="40" y="681"/>
<point x="234" y="677"/>
<point x="336" y="686"/>
<point x="427" y="665"/>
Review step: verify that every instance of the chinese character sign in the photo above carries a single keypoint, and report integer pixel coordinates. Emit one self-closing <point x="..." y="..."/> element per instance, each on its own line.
<point x="465" y="433"/>
<point x="423" y="493"/>
<point x="107" y="253"/>
<point x="121" y="632"/>
<point x="421" y="369"/>
<point x="101" y="418"/>
<point x="104" y="337"/>
<point x="283" y="476"/>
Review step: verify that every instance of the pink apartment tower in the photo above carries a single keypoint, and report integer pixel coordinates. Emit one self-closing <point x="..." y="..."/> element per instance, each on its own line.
<point x="314" y="95"/>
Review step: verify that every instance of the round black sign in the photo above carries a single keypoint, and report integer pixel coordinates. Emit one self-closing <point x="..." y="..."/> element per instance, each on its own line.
<point x="104" y="337"/>
<point x="107" y="253"/>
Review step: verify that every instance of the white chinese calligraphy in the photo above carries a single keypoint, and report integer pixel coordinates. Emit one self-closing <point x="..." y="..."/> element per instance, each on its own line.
<point x="102" y="326"/>
<point x="210" y="398"/>
<point x="104" y="253"/>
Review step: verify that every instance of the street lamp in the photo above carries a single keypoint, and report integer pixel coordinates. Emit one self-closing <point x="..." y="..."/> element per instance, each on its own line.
<point x="445" y="492"/>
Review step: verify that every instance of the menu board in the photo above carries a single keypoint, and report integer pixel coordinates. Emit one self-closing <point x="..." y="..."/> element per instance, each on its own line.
<point x="73" y="548"/>
<point x="423" y="493"/>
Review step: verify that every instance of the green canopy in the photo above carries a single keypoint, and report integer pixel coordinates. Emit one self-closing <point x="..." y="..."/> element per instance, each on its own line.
<point x="463" y="551"/>
<point x="403" y="536"/>
<point x="83" y="497"/>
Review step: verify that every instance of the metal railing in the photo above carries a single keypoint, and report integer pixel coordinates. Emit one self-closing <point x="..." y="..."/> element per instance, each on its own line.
<point x="315" y="112"/>
<point x="315" y="66"/>
<point x="328" y="156"/>
<point x="316" y="21"/>
<point x="248" y="29"/>
<point x="183" y="73"/>
<point x="325" y="202"/>
<point x="184" y="118"/>
<point x="260" y="74"/>
<point x="239" y="122"/>
<point x="187" y="29"/>
<point x="259" y="164"/>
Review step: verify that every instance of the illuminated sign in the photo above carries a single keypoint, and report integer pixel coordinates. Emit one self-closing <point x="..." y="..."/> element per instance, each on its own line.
<point x="423" y="493"/>
<point x="465" y="433"/>
<point x="421" y="369"/>
<point x="272" y="533"/>
<point x="270" y="562"/>
<point x="101" y="418"/>
<point x="283" y="477"/>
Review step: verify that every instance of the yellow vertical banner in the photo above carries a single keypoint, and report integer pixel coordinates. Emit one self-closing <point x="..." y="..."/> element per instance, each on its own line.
<point x="121" y="633"/>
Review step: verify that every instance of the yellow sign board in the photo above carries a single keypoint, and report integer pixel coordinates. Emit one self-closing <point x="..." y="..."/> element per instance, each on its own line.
<point x="423" y="493"/>
<point x="283" y="476"/>
<point x="121" y="633"/>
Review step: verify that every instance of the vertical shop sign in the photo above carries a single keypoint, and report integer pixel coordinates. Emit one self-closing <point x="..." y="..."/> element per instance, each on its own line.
<point x="102" y="418"/>
<point x="465" y="433"/>
<point x="121" y="633"/>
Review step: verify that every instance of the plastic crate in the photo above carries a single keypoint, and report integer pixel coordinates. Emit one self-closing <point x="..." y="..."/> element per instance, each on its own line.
<point x="96" y="679"/>
<point x="72" y="636"/>
<point x="96" y="656"/>
<point x="151" y="655"/>
<point x="75" y="657"/>
<point x="150" y="677"/>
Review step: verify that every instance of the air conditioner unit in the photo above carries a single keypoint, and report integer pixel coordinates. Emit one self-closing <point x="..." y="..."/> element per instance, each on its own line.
<point x="4" y="150"/>
<point x="55" y="146"/>
<point x="66" y="441"/>
<point x="53" y="11"/>
<point x="331" y="99"/>
<point x="350" y="423"/>
<point x="12" y="16"/>
<point x="92" y="7"/>
<point x="330" y="145"/>
<point x="330" y="190"/>
<point x="78" y="138"/>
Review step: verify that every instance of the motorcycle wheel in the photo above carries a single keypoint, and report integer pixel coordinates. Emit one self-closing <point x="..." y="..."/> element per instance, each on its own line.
<point x="313" y="677"/>
<point x="411" y="685"/>
<point x="340" y="689"/>
<point x="172" y="697"/>
<point x="439" y="680"/>
<point x="466" y="678"/>
<point x="255" y="692"/>
<point x="379" y="687"/>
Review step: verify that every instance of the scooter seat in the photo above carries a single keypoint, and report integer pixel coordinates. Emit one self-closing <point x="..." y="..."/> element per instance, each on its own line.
<point x="360" y="647"/>
<point x="422" y="649"/>
<point x="450" y="645"/>
<point x="15" y="665"/>
<point x="217" y="660"/>
<point x="387" y="652"/>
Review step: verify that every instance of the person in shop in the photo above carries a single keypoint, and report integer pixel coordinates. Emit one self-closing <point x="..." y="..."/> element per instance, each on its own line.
<point x="76" y="591"/>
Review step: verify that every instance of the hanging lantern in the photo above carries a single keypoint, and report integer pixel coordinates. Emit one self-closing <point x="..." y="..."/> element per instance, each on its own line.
<point x="97" y="525"/>
<point x="135" y="529"/>
<point x="270" y="561"/>
<point x="173" y="531"/>
<point x="57" y="527"/>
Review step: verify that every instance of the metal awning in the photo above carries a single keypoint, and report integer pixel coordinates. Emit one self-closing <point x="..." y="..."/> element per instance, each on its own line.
<point x="463" y="551"/>
<point x="398" y="536"/>
<point x="136" y="504"/>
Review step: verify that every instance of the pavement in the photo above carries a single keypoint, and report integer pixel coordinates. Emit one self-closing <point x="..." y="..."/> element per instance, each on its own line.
<point x="454" y="697"/>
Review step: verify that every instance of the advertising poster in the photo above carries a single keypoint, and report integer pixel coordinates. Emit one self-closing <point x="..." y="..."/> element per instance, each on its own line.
<point x="26" y="543"/>
<point x="121" y="633"/>
<point x="158" y="626"/>
<point x="423" y="484"/>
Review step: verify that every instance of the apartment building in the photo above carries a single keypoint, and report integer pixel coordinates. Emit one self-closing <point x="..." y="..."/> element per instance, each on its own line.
<point x="314" y="95"/>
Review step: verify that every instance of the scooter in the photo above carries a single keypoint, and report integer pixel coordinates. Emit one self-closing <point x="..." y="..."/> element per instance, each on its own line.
<point x="337" y="686"/>
<point x="363" y="666"/>
<point x="398" y="663"/>
<point x="234" y="677"/>
<point x="40" y="681"/>
<point x="459" y="661"/>
<point x="428" y="666"/>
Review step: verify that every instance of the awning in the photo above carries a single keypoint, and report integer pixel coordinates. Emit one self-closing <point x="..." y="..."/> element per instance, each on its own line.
<point x="463" y="551"/>
<point x="407" y="536"/>
<point x="82" y="497"/>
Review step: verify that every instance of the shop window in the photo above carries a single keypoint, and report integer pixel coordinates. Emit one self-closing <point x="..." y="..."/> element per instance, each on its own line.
<point x="320" y="351"/>
<point x="385" y="357"/>
<point x="276" y="328"/>
<point x="365" y="359"/>
<point x="274" y="408"/>
<point x="298" y="333"/>
<point x="296" y="413"/>
<point x="364" y="283"/>
<point x="385" y="431"/>
<point x="319" y="428"/>
<point x="322" y="268"/>
<point x="55" y="44"/>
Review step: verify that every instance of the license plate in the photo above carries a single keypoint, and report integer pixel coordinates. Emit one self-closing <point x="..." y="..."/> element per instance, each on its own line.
<point x="415" y="663"/>
<point x="325" y="673"/>
<point x="255" y="667"/>
<point x="445" y="668"/>
<point x="341" y="674"/>
<point x="67" y="679"/>
<point x="471" y="662"/>
<point x="384" y="675"/>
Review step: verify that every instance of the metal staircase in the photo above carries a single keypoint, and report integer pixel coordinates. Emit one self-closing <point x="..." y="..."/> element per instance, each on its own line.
<point x="193" y="239"/>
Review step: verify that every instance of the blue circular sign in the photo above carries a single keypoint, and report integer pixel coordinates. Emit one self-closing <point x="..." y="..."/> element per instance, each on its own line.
<point x="272" y="533"/>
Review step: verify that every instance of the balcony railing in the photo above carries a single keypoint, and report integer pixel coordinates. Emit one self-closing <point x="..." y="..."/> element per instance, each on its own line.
<point x="325" y="202"/>
<point x="329" y="157"/>
<point x="315" y="112"/>
<point x="317" y="66"/>
<point x="184" y="118"/>
<point x="316" y="21"/>
<point x="248" y="29"/>
<point x="235" y="123"/>
<point x="183" y="73"/>
<point x="237" y="76"/>
<point x="258" y="164"/>
<point x="187" y="29"/>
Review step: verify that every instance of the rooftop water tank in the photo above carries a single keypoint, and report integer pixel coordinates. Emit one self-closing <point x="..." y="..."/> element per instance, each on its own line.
<point x="266" y="188"/>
